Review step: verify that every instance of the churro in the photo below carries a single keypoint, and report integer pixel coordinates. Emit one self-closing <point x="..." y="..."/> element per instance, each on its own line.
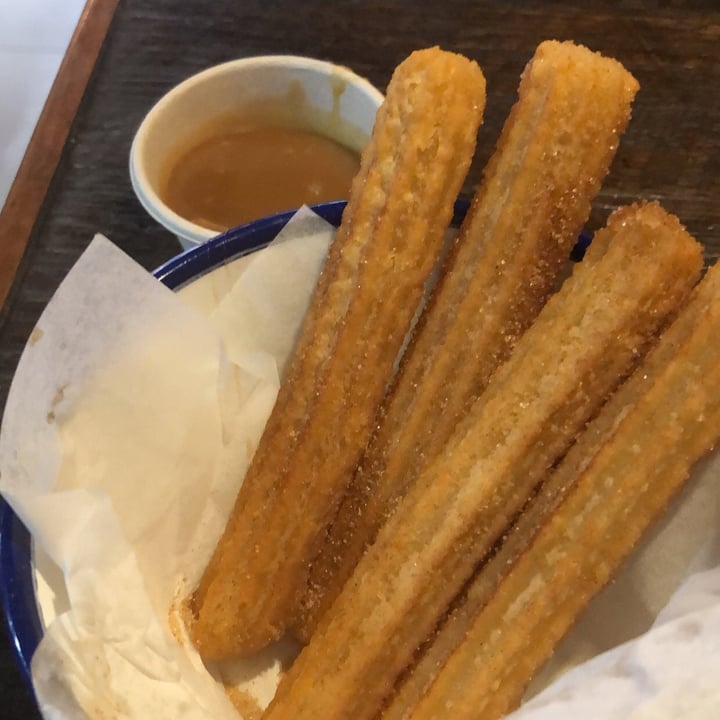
<point x="615" y="490"/>
<point x="554" y="151"/>
<point x="392" y="230"/>
<point x="586" y="339"/>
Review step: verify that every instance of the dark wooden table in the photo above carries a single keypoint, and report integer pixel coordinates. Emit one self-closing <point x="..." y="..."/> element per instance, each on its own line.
<point x="671" y="151"/>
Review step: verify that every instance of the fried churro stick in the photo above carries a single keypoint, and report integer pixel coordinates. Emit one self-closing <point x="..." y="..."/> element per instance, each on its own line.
<point x="584" y="341"/>
<point x="554" y="151"/>
<point x="672" y="405"/>
<point x="416" y="682"/>
<point x="392" y="230"/>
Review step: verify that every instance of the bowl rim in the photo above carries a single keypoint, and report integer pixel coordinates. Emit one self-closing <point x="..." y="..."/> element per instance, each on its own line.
<point x="141" y="185"/>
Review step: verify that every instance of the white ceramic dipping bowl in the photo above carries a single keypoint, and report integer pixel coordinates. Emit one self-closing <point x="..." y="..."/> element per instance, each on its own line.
<point x="333" y="101"/>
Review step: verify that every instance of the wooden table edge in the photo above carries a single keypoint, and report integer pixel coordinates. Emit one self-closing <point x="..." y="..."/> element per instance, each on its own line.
<point x="28" y="191"/>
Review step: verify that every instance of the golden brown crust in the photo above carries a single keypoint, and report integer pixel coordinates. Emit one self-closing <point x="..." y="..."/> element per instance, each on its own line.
<point x="244" y="703"/>
<point x="554" y="151"/>
<point x="585" y="340"/>
<point x="391" y="233"/>
<point x="417" y="680"/>
<point x="591" y="513"/>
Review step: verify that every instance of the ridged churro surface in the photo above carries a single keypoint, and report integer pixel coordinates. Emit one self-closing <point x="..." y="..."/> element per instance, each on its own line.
<point x="400" y="206"/>
<point x="554" y="151"/>
<point x="671" y="405"/>
<point x="418" y="679"/>
<point x="583" y="343"/>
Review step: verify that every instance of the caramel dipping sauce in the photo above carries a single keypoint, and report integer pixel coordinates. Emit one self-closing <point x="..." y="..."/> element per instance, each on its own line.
<point x="235" y="170"/>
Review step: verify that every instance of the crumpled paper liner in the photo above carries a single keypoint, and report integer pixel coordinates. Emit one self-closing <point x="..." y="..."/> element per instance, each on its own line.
<point x="130" y="423"/>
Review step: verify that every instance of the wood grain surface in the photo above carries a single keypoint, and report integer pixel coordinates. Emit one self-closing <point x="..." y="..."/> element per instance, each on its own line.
<point x="27" y="194"/>
<point x="671" y="151"/>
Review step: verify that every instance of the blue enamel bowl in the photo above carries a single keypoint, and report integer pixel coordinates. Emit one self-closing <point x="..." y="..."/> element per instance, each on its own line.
<point x="17" y="584"/>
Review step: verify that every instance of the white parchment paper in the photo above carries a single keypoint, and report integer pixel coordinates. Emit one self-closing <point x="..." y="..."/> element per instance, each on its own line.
<point x="127" y="431"/>
<point x="128" y="428"/>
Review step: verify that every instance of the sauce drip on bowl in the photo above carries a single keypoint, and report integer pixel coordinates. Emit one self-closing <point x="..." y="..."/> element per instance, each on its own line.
<point x="233" y="174"/>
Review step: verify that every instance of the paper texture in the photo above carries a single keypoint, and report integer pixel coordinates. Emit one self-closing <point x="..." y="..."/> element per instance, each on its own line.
<point x="669" y="673"/>
<point x="127" y="431"/>
<point x="128" y="428"/>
